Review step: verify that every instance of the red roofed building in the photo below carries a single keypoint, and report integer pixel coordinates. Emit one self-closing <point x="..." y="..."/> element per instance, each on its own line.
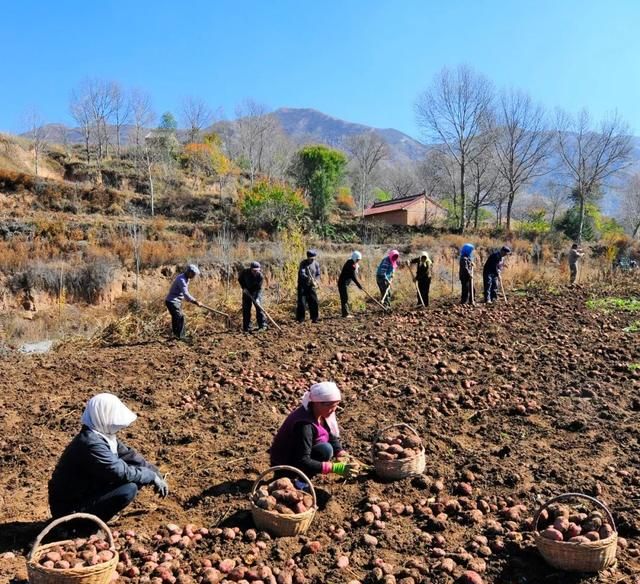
<point x="413" y="210"/>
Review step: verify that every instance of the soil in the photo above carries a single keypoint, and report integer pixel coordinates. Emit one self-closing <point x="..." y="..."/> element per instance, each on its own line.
<point x="522" y="401"/>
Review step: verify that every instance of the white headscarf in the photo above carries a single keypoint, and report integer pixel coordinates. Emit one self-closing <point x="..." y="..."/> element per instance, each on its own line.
<point x="327" y="391"/>
<point x="105" y="415"/>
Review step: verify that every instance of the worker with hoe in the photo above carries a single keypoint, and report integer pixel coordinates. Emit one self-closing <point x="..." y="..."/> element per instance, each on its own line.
<point x="466" y="273"/>
<point x="575" y="253"/>
<point x="491" y="273"/>
<point x="308" y="275"/>
<point x="384" y="275"/>
<point x="178" y="292"/>
<point x="309" y="438"/>
<point x="251" y="281"/>
<point x="423" y="277"/>
<point x="348" y="275"/>
<point x="97" y="473"/>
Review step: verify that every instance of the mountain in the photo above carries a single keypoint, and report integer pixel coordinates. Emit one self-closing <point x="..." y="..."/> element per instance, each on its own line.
<point x="306" y="126"/>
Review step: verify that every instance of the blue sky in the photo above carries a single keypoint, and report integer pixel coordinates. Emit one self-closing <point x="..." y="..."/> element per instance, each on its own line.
<point x="361" y="60"/>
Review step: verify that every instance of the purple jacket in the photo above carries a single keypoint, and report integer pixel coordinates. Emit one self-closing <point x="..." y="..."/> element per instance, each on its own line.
<point x="287" y="447"/>
<point x="179" y="290"/>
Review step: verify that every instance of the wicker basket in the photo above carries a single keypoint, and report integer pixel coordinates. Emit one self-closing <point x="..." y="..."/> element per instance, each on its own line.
<point x="98" y="574"/>
<point x="578" y="557"/>
<point x="402" y="467"/>
<point x="276" y="523"/>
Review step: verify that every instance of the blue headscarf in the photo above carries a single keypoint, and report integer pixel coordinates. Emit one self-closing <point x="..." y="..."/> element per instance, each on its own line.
<point x="467" y="250"/>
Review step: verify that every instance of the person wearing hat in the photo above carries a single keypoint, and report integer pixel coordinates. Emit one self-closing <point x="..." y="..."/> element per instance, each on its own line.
<point x="384" y="275"/>
<point x="97" y="473"/>
<point x="491" y="273"/>
<point x="309" y="438"/>
<point x="348" y="275"/>
<point x="308" y="275"/>
<point x="178" y="292"/>
<point x="466" y="273"/>
<point x="251" y="281"/>
<point x="423" y="277"/>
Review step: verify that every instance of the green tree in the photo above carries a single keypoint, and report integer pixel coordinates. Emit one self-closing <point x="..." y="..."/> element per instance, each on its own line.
<point x="271" y="205"/>
<point x="318" y="170"/>
<point x="168" y="122"/>
<point x="574" y="221"/>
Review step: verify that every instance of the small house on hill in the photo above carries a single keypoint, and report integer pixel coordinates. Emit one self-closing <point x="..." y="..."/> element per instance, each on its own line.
<point x="413" y="210"/>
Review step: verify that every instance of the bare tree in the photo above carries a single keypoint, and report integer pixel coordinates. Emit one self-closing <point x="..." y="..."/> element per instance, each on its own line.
<point x="367" y="150"/>
<point x="80" y="109"/>
<point x="485" y="182"/>
<point x="399" y="180"/>
<point x="142" y="114"/>
<point x="522" y="144"/>
<point x="121" y="112"/>
<point x="37" y="134"/>
<point x="630" y="208"/>
<point x="196" y="116"/>
<point x="591" y="155"/>
<point x="557" y="197"/>
<point x="101" y="96"/>
<point x="455" y="111"/>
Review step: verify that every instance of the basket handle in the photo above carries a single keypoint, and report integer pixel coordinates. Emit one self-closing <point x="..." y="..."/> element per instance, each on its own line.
<point x="381" y="431"/>
<point x="289" y="468"/>
<point x="65" y="519"/>
<point x="564" y="496"/>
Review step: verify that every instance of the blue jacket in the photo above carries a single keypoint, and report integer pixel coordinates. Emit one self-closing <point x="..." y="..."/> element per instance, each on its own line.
<point x="88" y="468"/>
<point x="385" y="269"/>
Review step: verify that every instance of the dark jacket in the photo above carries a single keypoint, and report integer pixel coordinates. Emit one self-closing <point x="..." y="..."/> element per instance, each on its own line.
<point x="349" y="274"/>
<point x="296" y="437"/>
<point x="308" y="272"/>
<point x="466" y="268"/>
<point x="87" y="468"/>
<point x="251" y="281"/>
<point x="423" y="271"/>
<point x="493" y="265"/>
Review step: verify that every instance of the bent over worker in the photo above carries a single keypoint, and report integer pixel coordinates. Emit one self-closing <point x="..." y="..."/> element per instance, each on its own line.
<point x="178" y="292"/>
<point x="491" y="273"/>
<point x="423" y="276"/>
<point x="466" y="273"/>
<point x="308" y="275"/>
<point x="384" y="275"/>
<point x="348" y="275"/>
<point x="309" y="439"/>
<point x="97" y="473"/>
<point x="251" y="281"/>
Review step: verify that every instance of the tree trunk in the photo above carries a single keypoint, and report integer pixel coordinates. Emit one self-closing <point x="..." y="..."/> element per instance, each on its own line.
<point x="581" y="224"/>
<point x="636" y="230"/>
<point x="462" y="197"/>
<point x="509" y="207"/>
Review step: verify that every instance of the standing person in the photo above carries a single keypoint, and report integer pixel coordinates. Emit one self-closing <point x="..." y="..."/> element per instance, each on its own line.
<point x="348" y="274"/>
<point x="466" y="273"/>
<point x="384" y="274"/>
<point x="309" y="439"/>
<point x="491" y="273"/>
<point x="308" y="275"/>
<point x="423" y="276"/>
<point x="178" y="292"/>
<point x="575" y="253"/>
<point x="97" y="473"/>
<point x="251" y="281"/>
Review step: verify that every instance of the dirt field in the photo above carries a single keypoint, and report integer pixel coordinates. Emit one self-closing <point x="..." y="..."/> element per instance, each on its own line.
<point x="520" y="402"/>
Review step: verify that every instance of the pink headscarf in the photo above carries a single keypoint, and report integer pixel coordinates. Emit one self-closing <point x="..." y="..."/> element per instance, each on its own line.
<point x="394" y="254"/>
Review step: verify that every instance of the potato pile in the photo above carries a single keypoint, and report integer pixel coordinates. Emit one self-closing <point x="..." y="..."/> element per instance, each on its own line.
<point x="574" y="525"/>
<point x="78" y="553"/>
<point x="282" y="497"/>
<point x="397" y="445"/>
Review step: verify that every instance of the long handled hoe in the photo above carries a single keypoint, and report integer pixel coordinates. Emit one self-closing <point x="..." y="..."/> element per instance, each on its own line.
<point x="415" y="282"/>
<point x="385" y="308"/>
<point x="260" y="307"/>
<point x="227" y="317"/>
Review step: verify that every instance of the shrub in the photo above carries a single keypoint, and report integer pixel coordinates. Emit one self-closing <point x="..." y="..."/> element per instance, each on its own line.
<point x="271" y="205"/>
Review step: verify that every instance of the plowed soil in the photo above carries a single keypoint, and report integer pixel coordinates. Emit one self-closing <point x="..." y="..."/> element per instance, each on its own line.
<point x="524" y="401"/>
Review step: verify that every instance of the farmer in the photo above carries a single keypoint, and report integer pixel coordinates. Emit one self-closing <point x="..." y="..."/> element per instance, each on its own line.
<point x="180" y="290"/>
<point x="308" y="275"/>
<point x="348" y="274"/>
<point x="97" y="473"/>
<point x="309" y="439"/>
<point x="491" y="273"/>
<point x="384" y="275"/>
<point x="251" y="280"/>
<point x="466" y="273"/>
<point x="423" y="277"/>
<point x="575" y="253"/>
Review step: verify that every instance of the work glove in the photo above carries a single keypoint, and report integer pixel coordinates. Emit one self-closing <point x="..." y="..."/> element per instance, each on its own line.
<point x="160" y="486"/>
<point x="348" y="470"/>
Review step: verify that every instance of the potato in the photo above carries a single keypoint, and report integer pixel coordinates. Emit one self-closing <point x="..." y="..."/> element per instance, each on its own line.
<point x="395" y="449"/>
<point x="52" y="557"/>
<point x="62" y="565"/>
<point x="412" y="442"/>
<point x="300" y="507"/>
<point x="573" y="530"/>
<point x="287" y="497"/>
<point x="268" y="503"/>
<point x="385" y="456"/>
<point x="551" y="533"/>
<point x="307" y="500"/>
<point x="48" y="564"/>
<point x="281" y="484"/>
<point x="561" y="524"/>
<point x="280" y="508"/>
<point x="592" y="535"/>
<point x="379" y="446"/>
<point x="407" y="453"/>
<point x="105" y="556"/>
<point x="606" y="531"/>
<point x="579" y="539"/>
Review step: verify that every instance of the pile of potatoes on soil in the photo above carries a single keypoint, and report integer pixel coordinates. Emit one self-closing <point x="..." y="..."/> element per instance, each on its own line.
<point x="282" y="497"/>
<point x="396" y="444"/>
